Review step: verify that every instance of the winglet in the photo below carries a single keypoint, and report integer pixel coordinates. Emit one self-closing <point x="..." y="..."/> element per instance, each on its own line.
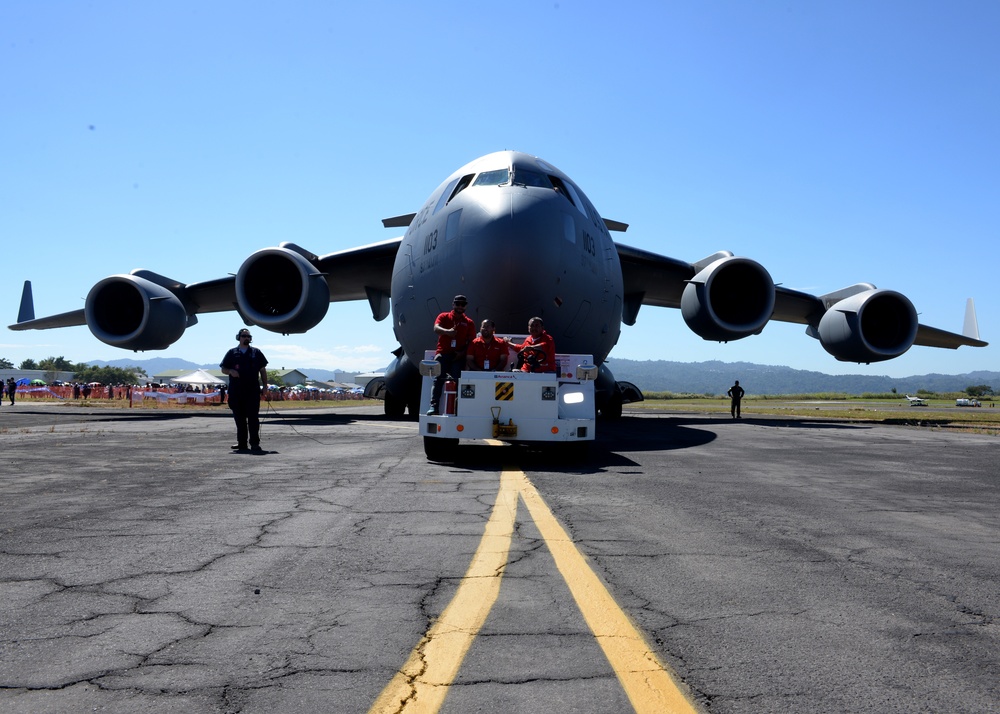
<point x="27" y="310"/>
<point x="971" y="326"/>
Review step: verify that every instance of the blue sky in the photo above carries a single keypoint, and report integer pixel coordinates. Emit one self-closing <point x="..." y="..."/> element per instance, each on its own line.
<point x="834" y="142"/>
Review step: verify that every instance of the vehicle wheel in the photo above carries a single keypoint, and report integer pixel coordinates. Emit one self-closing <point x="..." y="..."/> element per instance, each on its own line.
<point x="394" y="407"/>
<point x="613" y="408"/>
<point x="440" y="449"/>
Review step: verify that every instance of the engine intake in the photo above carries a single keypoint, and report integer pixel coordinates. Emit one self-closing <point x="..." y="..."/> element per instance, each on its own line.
<point x="281" y="291"/>
<point x="131" y="312"/>
<point x="729" y="299"/>
<point x="871" y="326"/>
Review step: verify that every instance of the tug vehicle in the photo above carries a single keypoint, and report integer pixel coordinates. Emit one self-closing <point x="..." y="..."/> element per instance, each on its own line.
<point x="511" y="406"/>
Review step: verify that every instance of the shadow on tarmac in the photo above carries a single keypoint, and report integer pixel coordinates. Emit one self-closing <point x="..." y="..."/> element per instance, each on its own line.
<point x="615" y="438"/>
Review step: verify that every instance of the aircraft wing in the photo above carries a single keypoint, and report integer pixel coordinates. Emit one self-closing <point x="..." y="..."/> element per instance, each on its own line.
<point x="725" y="298"/>
<point x="651" y="279"/>
<point x="285" y="289"/>
<point x="806" y="309"/>
<point x="208" y="296"/>
<point x="353" y="273"/>
<point x="933" y="337"/>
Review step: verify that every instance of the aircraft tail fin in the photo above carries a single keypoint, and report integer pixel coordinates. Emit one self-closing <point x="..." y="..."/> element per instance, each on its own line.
<point x="26" y="315"/>
<point x="971" y="326"/>
<point x="27" y="310"/>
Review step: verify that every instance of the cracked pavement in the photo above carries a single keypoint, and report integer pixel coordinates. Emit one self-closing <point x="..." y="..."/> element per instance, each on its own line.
<point x="776" y="565"/>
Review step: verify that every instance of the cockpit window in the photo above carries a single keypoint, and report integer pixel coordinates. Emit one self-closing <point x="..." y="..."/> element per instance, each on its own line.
<point x="574" y="197"/>
<point x="463" y="183"/>
<point x="560" y="188"/>
<point x="492" y="178"/>
<point x="446" y="195"/>
<point x="524" y="177"/>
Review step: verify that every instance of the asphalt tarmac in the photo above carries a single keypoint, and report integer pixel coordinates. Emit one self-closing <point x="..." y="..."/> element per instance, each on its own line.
<point x="771" y="565"/>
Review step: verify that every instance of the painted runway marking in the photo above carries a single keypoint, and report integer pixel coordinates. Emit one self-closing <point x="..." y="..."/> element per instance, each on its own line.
<point x="421" y="686"/>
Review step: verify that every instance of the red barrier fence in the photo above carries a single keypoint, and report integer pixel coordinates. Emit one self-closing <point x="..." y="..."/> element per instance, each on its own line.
<point x="173" y="394"/>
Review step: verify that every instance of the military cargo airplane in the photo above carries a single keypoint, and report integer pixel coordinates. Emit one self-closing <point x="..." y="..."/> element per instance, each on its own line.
<point x="521" y="239"/>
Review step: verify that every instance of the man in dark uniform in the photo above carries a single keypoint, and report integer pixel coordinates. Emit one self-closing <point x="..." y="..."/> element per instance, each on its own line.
<point x="736" y="394"/>
<point x="244" y="365"/>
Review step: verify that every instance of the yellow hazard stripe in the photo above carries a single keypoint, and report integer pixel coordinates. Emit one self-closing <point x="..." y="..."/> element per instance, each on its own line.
<point x="504" y="391"/>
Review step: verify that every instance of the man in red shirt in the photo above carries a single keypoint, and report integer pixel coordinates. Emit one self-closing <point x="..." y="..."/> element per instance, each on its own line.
<point x="538" y="351"/>
<point x="455" y="331"/>
<point x="487" y="352"/>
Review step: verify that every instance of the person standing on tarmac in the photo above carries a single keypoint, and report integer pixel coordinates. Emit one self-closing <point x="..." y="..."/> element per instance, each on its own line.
<point x="454" y="331"/>
<point x="244" y="365"/>
<point x="736" y="394"/>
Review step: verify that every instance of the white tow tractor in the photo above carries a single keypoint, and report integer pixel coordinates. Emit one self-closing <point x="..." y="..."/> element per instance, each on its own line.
<point x="556" y="407"/>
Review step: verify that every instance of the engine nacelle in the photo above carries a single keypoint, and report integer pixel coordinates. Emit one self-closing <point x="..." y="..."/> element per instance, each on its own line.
<point x="281" y="291"/>
<point x="871" y="326"/>
<point x="729" y="299"/>
<point x="133" y="313"/>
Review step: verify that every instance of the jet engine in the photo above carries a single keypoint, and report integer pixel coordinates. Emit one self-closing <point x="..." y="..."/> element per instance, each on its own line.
<point x="870" y="326"/>
<point x="280" y="290"/>
<point x="728" y="299"/>
<point x="133" y="313"/>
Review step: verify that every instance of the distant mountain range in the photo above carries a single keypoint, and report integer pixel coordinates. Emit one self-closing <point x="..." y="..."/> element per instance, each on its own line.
<point x="716" y="377"/>
<point x="698" y="377"/>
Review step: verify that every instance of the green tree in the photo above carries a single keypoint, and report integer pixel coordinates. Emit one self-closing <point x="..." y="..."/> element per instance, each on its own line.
<point x="57" y="364"/>
<point x="273" y="378"/>
<point x="110" y="375"/>
<point x="6" y="363"/>
<point x="28" y="364"/>
<point x="979" y="390"/>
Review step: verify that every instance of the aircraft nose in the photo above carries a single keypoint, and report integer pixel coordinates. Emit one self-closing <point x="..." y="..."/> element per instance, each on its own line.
<point x="505" y="262"/>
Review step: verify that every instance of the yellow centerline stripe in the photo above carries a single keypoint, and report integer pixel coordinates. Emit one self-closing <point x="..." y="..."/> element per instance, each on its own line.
<point x="421" y="685"/>
<point x="647" y="682"/>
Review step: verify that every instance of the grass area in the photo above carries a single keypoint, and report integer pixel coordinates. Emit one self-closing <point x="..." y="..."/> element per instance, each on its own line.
<point x="892" y="410"/>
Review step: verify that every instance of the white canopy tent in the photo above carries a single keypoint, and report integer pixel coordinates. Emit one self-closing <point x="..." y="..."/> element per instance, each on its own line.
<point x="199" y="376"/>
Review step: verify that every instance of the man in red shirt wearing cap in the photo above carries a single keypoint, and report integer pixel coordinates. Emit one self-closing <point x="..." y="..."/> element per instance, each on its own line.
<point x="455" y="331"/>
<point x="487" y="352"/>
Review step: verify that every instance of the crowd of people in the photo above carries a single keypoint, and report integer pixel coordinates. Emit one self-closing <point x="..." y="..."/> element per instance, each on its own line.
<point x="204" y="393"/>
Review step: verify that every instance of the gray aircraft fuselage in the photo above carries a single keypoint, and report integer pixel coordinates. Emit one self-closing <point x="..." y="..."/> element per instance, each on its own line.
<point x="520" y="240"/>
